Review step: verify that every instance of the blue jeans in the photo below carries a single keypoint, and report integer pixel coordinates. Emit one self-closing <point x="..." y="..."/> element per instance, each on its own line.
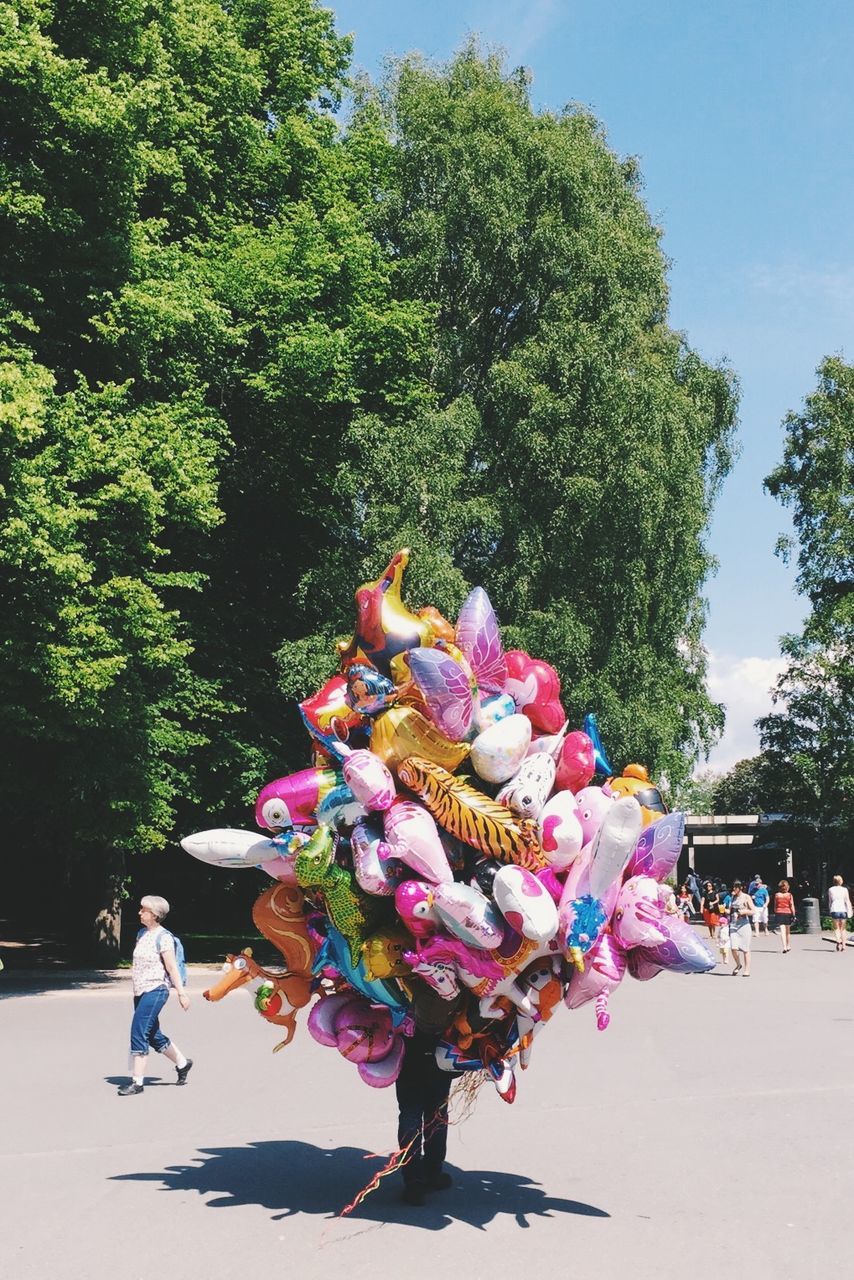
<point x="145" y="1028"/>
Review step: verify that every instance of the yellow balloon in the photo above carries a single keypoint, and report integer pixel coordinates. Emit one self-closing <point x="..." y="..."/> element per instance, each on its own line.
<point x="383" y="954"/>
<point x="401" y="732"/>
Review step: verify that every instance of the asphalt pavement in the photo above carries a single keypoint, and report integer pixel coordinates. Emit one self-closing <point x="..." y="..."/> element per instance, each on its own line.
<point x="706" y="1128"/>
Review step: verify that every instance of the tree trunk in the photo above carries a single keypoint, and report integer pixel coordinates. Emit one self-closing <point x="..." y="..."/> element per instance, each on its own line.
<point x="108" y="921"/>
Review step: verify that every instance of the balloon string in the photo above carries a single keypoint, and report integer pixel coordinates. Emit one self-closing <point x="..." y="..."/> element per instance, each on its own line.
<point x="467" y="1089"/>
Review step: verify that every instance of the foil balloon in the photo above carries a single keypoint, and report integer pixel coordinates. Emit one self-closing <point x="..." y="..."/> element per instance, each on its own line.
<point x="488" y="711"/>
<point x="281" y="868"/>
<point x="362" y="1033"/>
<point x="402" y="732"/>
<point x="535" y="688"/>
<point x="529" y="789"/>
<point x="593" y="803"/>
<point x="385" y="628"/>
<point x="682" y="951"/>
<point x="525" y="904"/>
<point x="353" y="912"/>
<point x="658" y="848"/>
<point x="374" y="866"/>
<point x="339" y="808"/>
<point x="635" y="781"/>
<point x="604" y="970"/>
<point x="293" y="800"/>
<point x="614" y="844"/>
<point x="600" y="759"/>
<point x="414" y="903"/>
<point x="577" y="762"/>
<point x="561" y="835"/>
<point x="498" y="752"/>
<point x="224" y="847"/>
<point x="468" y="915"/>
<point x="641" y="966"/>
<point x="368" y="692"/>
<point x="446" y="690"/>
<point x="413" y="839"/>
<point x="330" y="719"/>
<point x="471" y="816"/>
<point x="639" y="917"/>
<point x="369" y="780"/>
<point x="442" y="628"/>
<point x="479" y="640"/>
<point x="334" y="953"/>
<point x="383" y="953"/>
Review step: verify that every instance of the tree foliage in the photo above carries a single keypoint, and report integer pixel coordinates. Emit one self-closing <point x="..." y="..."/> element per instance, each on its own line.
<point x="247" y="355"/>
<point x="600" y="438"/>
<point x="808" y="738"/>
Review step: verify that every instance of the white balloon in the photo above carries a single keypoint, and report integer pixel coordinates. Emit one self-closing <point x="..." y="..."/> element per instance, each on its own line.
<point x="230" y="847"/>
<point x="498" y="752"/>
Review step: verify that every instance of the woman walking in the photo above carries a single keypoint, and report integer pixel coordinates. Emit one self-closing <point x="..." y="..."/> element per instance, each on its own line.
<point x="154" y="973"/>
<point x="784" y="913"/>
<point x="740" y="913"/>
<point x="710" y="905"/>
<point x="839" y="901"/>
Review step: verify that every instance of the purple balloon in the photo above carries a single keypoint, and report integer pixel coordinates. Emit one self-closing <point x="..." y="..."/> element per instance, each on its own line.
<point x="446" y="689"/>
<point x="657" y="851"/>
<point x="479" y="639"/>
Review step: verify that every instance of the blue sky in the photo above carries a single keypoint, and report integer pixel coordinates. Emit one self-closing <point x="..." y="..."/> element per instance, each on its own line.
<point x="742" y="116"/>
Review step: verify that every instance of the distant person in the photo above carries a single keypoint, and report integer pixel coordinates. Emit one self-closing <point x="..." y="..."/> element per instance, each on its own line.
<point x="740" y="914"/>
<point x="153" y="975"/>
<point x="839" y="904"/>
<point x="710" y="906"/>
<point x="757" y="879"/>
<point x="684" y="903"/>
<point x="784" y="914"/>
<point x="695" y="890"/>
<point x="761" y="896"/>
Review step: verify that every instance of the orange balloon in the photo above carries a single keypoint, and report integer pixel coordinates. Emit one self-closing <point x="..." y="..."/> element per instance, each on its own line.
<point x="635" y="781"/>
<point x="385" y="628"/>
<point x="401" y="732"/>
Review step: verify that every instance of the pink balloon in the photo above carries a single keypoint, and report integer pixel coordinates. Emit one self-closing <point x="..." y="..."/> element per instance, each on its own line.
<point x="638" y="915"/>
<point x="364" y="1033"/>
<point x="561" y="832"/>
<point x="412" y="836"/>
<point x="321" y="1020"/>
<point x="604" y="969"/>
<point x="369" y="780"/>
<point x="413" y="901"/>
<point x="535" y="688"/>
<point x="576" y="764"/>
<point x="379" y="1075"/>
<point x="593" y="804"/>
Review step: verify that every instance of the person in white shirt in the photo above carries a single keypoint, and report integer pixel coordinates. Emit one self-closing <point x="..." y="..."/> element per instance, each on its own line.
<point x="839" y="902"/>
<point x="155" y="972"/>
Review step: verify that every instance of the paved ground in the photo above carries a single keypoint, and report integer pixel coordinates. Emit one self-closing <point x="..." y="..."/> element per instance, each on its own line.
<point x="708" y="1126"/>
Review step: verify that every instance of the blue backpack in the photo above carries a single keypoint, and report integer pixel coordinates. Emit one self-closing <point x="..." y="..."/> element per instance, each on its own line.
<point x="179" y="957"/>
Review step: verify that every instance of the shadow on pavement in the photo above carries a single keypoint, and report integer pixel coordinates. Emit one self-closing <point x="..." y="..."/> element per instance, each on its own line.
<point x="36" y="982"/>
<point x="296" y="1177"/>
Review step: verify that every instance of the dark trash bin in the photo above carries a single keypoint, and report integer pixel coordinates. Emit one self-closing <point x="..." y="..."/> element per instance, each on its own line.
<point x="811" y="915"/>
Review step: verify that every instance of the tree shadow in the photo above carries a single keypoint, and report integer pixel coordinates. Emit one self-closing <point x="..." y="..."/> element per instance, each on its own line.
<point x="292" y="1177"/>
<point x="37" y="982"/>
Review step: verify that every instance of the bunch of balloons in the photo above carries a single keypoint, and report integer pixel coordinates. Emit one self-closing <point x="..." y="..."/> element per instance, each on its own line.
<point x="445" y="861"/>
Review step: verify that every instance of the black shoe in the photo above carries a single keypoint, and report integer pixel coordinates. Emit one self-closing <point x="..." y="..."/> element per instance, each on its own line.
<point x="414" y="1193"/>
<point x="184" y="1071"/>
<point x="439" y="1182"/>
<point x="129" y="1088"/>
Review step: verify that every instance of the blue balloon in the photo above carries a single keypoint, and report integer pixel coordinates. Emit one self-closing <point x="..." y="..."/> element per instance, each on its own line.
<point x="591" y="728"/>
<point x="334" y="952"/>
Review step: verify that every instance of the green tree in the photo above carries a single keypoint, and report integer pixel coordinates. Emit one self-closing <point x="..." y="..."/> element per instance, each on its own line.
<point x="601" y="438"/>
<point x="808" y="737"/>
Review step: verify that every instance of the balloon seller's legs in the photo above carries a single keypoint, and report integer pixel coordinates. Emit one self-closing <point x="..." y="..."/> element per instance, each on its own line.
<point x="437" y="1088"/>
<point x="410" y="1101"/>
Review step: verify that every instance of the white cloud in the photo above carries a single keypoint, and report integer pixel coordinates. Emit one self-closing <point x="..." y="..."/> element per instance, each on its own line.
<point x="517" y="25"/>
<point x="793" y="281"/>
<point x="744" y="686"/>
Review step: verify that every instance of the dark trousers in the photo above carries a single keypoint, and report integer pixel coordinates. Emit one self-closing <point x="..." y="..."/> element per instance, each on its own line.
<point x="422" y="1097"/>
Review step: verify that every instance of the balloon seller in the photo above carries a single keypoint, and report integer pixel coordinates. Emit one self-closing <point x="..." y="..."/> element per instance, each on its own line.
<point x="445" y="875"/>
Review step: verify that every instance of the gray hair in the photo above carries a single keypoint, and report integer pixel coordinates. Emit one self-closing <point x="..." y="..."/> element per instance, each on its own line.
<point x="159" y="906"/>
